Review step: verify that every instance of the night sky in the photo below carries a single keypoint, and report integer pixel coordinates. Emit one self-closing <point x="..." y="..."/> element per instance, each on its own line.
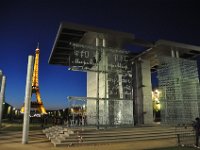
<point x="25" y="22"/>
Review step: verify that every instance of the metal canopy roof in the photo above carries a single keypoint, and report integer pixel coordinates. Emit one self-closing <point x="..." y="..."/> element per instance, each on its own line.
<point x="164" y="47"/>
<point x="68" y="32"/>
<point x="61" y="48"/>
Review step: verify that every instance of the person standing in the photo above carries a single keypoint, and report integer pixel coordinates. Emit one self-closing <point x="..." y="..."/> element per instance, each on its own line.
<point x="197" y="131"/>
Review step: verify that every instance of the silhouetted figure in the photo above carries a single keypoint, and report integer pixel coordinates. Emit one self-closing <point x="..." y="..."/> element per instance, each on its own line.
<point x="54" y="120"/>
<point x="42" y="122"/>
<point x="197" y="130"/>
<point x="84" y="120"/>
<point x="78" y="119"/>
<point x="45" y="120"/>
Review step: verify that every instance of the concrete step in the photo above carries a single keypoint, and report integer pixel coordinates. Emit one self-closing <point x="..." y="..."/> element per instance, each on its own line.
<point x="92" y="136"/>
<point x="69" y="143"/>
<point x="106" y="138"/>
<point x="122" y="132"/>
<point x="132" y="134"/>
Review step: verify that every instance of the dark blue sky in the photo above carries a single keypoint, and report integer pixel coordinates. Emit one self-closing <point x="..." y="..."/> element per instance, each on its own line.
<point x="25" y="22"/>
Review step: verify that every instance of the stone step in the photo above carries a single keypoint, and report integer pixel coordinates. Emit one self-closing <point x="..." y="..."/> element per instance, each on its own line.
<point x="122" y="132"/>
<point x="99" y="135"/>
<point x="146" y="129"/>
<point x="123" y="129"/>
<point x="108" y="139"/>
<point x="69" y="143"/>
<point x="90" y="132"/>
<point x="92" y="136"/>
<point x="125" y="135"/>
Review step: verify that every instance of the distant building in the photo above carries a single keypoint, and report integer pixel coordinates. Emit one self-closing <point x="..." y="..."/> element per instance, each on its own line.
<point x="9" y="111"/>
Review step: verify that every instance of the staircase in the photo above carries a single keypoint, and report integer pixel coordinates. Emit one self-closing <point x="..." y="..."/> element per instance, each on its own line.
<point x="61" y="136"/>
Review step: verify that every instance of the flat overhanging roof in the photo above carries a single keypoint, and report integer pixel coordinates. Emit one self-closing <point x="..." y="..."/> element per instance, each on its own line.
<point x="74" y="33"/>
<point x="164" y="48"/>
<point x="68" y="33"/>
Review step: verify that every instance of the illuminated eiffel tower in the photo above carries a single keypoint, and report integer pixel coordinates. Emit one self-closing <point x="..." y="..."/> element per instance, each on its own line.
<point x="35" y="86"/>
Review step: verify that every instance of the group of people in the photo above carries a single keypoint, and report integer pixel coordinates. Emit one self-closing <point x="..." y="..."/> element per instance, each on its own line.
<point x="76" y="120"/>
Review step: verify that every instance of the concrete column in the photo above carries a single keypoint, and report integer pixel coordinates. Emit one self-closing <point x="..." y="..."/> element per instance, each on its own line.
<point x="104" y="42"/>
<point x="27" y="100"/>
<point x="172" y="53"/>
<point x="146" y="92"/>
<point x="97" y="41"/>
<point x="3" y="84"/>
<point x="177" y="54"/>
<point x="144" y="111"/>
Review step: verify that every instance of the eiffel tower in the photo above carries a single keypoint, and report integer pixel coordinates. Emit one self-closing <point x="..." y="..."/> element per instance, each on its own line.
<point x="35" y="86"/>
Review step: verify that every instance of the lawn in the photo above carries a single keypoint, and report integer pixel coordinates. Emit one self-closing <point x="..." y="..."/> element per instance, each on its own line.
<point x="18" y="127"/>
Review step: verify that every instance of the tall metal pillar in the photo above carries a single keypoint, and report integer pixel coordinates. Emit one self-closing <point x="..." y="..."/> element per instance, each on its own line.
<point x="1" y="75"/>
<point x="105" y="66"/>
<point x="27" y="102"/>
<point x="97" y="61"/>
<point x="2" y="92"/>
